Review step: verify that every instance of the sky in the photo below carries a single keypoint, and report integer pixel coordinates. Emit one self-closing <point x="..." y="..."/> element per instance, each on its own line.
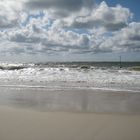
<point x="69" y="30"/>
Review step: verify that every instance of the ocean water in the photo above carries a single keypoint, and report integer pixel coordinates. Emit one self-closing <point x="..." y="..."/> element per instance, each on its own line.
<point x="72" y="75"/>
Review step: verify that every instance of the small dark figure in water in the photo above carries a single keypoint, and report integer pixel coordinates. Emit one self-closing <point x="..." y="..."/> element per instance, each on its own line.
<point x="120" y="62"/>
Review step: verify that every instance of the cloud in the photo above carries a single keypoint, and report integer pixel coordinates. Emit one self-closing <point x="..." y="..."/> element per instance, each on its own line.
<point x="43" y="40"/>
<point x="84" y="13"/>
<point x="127" y="39"/>
<point x="75" y="27"/>
<point x="59" y="5"/>
<point x="9" y="13"/>
<point x="111" y="18"/>
<point x="74" y="14"/>
<point x="56" y="39"/>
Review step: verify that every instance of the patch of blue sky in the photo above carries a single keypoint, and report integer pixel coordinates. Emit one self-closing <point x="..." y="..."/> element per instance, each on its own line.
<point x="108" y="34"/>
<point x="38" y="15"/>
<point x="79" y="31"/>
<point x="48" y="24"/>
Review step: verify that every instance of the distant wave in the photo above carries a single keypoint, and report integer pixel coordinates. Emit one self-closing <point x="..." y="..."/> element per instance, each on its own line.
<point x="111" y="66"/>
<point x="12" y="67"/>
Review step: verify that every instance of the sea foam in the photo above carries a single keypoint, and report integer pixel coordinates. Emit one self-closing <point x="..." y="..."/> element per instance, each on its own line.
<point x="64" y="76"/>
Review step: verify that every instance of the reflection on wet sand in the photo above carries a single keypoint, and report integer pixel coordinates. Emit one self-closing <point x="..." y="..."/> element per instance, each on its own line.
<point x="72" y="100"/>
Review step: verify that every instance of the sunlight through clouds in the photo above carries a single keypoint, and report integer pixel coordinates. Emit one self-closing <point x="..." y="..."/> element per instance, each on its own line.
<point x="56" y="26"/>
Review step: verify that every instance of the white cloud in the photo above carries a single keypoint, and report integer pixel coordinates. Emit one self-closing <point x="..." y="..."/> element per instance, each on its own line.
<point x="127" y="39"/>
<point x="9" y="13"/>
<point x="96" y="28"/>
<point x="111" y="18"/>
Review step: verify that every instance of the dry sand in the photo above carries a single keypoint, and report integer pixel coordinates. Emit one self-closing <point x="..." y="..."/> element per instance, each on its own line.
<point x="22" y="124"/>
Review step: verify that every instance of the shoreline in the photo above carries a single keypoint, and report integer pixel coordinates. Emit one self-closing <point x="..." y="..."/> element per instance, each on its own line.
<point x="82" y="101"/>
<point x="43" y="87"/>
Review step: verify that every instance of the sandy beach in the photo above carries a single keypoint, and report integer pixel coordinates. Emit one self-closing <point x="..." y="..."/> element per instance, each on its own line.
<point x="37" y="114"/>
<point x="69" y="70"/>
<point x="21" y="124"/>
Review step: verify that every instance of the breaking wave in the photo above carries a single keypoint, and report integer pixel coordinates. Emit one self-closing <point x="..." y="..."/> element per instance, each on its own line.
<point x="71" y="75"/>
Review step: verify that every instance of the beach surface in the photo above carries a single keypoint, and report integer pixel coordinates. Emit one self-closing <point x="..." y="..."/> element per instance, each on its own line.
<point x="20" y="124"/>
<point x="36" y="114"/>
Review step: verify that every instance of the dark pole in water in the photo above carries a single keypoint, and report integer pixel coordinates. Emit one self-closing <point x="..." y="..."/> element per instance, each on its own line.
<point x="120" y="61"/>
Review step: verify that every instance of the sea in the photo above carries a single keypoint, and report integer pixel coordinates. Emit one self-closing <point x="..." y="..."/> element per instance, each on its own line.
<point x="72" y="75"/>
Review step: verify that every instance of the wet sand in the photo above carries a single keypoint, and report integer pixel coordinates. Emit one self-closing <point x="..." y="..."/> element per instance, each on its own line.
<point x="36" y="114"/>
